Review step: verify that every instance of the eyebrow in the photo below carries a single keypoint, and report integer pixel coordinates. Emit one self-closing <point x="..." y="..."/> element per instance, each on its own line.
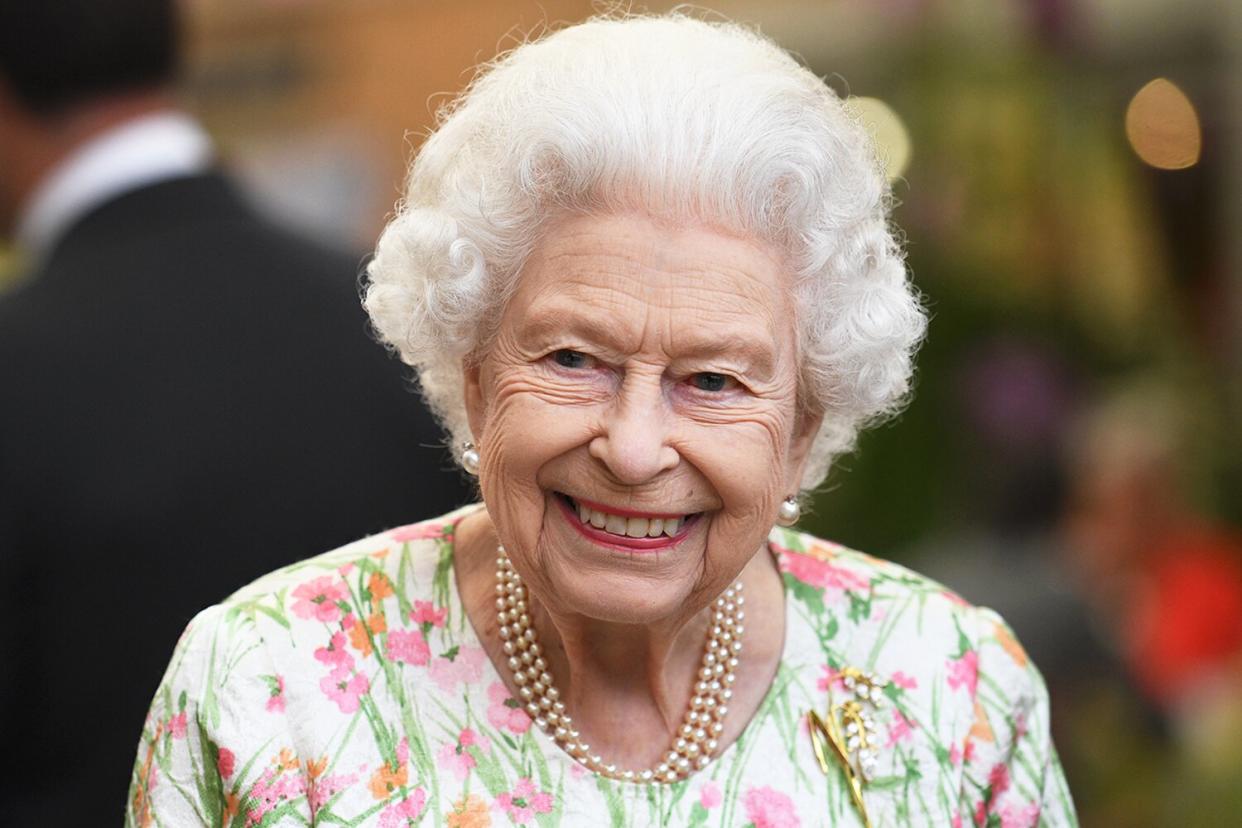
<point x="756" y="355"/>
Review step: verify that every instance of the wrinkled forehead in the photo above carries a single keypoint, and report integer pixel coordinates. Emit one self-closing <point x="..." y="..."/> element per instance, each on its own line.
<point x="691" y="281"/>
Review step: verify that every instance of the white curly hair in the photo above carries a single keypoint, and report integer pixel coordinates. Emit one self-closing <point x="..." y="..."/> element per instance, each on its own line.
<point x="686" y="119"/>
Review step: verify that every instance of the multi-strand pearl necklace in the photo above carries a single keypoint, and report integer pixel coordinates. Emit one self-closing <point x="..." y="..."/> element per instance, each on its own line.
<point x="697" y="739"/>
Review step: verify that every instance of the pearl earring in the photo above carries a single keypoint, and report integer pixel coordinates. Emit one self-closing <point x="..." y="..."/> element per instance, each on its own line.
<point x="789" y="511"/>
<point x="470" y="458"/>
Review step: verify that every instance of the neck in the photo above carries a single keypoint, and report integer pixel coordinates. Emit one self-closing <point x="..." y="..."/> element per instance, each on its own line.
<point x="36" y="145"/>
<point x="628" y="686"/>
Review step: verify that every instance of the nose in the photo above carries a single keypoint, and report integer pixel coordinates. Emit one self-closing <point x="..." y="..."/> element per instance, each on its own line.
<point x="634" y="443"/>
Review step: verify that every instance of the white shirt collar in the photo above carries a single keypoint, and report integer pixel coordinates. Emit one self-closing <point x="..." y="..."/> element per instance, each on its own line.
<point x="135" y="154"/>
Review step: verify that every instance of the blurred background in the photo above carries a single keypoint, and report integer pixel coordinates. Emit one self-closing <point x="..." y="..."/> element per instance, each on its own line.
<point x="1069" y="179"/>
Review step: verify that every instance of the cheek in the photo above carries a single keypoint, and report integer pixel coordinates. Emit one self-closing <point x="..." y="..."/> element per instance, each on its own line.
<point x="526" y="427"/>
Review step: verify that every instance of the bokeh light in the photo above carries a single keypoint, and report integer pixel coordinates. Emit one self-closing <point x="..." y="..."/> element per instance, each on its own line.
<point x="891" y="137"/>
<point x="1163" y="127"/>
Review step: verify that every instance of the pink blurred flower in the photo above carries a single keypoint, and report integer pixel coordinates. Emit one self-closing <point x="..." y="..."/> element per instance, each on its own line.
<point x="407" y="646"/>
<point x="819" y="573"/>
<point x="904" y="682"/>
<point x="425" y="612"/>
<point x="417" y="531"/>
<point x="176" y="725"/>
<point x="406" y="812"/>
<point x="830" y="680"/>
<point x="276" y="694"/>
<point x="504" y="712"/>
<point x="900" y="729"/>
<point x="710" y="796"/>
<point x="320" y="790"/>
<point x="964" y="672"/>
<point x="226" y="761"/>
<point x="335" y="655"/>
<point x="524" y="802"/>
<point x="344" y="689"/>
<point x="317" y="599"/>
<point x="458" y="758"/>
<point x="769" y="808"/>
<point x="1014" y="816"/>
<point x="465" y="667"/>
<point x="271" y="790"/>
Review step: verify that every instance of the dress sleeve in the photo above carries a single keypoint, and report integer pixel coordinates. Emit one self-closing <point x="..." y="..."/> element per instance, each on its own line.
<point x="1012" y="774"/>
<point x="215" y="750"/>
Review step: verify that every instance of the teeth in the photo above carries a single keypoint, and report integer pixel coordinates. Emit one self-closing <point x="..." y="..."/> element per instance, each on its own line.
<point x="629" y="527"/>
<point x="636" y="527"/>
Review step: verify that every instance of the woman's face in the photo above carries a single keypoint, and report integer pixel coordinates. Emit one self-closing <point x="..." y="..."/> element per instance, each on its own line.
<point x="643" y="383"/>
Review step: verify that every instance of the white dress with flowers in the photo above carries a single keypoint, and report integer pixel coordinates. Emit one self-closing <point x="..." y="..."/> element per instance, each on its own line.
<point x="351" y="690"/>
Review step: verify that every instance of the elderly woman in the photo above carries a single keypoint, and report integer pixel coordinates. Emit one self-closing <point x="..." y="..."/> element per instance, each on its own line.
<point x="644" y="272"/>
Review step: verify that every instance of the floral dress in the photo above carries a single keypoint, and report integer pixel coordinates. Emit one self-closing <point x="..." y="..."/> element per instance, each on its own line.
<point x="350" y="689"/>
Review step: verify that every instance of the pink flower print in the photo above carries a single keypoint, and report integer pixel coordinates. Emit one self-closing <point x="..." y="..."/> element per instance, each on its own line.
<point x="900" y="729"/>
<point x="458" y="758"/>
<point x="276" y="693"/>
<point x="964" y="672"/>
<point x="425" y="612"/>
<point x="504" y="712"/>
<point x="176" y="726"/>
<point x="903" y="681"/>
<point x="226" y="761"/>
<point x="998" y="780"/>
<point x="407" y="646"/>
<point x="956" y="822"/>
<point x="466" y="666"/>
<point x="524" y="802"/>
<point x="1014" y="816"/>
<point x="335" y="655"/>
<point x="955" y="755"/>
<point x="418" y="531"/>
<point x="405" y="812"/>
<point x="830" y="680"/>
<point x="819" y="573"/>
<point x="270" y="791"/>
<point x="320" y="790"/>
<point x="318" y="599"/>
<point x="710" y="796"/>
<point x="769" y="808"/>
<point x="344" y="689"/>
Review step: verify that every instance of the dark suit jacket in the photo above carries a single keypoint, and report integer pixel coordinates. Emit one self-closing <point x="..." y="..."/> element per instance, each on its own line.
<point x="188" y="398"/>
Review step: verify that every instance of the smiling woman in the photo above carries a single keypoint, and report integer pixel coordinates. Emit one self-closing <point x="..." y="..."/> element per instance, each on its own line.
<point x="644" y="271"/>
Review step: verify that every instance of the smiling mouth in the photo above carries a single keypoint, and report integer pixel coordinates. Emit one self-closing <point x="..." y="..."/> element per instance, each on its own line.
<point x="627" y="525"/>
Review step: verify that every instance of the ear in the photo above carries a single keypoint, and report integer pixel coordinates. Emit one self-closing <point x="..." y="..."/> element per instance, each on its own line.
<point x="806" y="429"/>
<point x="472" y="389"/>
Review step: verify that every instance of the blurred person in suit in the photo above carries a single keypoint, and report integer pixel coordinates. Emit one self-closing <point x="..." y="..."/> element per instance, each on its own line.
<point x="188" y="397"/>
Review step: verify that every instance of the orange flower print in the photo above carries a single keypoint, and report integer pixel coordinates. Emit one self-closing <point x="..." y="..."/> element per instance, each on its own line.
<point x="316" y="767"/>
<point x="470" y="812"/>
<point x="231" y="801"/>
<point x="379" y="586"/>
<point x="286" y="760"/>
<point x="982" y="728"/>
<point x="389" y="777"/>
<point x="358" y="637"/>
<point x="377" y="622"/>
<point x="1005" y="638"/>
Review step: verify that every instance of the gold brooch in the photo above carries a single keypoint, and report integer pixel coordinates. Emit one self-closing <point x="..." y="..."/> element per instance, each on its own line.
<point x="849" y="730"/>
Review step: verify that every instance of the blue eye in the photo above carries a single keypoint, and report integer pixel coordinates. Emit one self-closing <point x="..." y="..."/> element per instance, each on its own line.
<point x="709" y="381"/>
<point x="571" y="359"/>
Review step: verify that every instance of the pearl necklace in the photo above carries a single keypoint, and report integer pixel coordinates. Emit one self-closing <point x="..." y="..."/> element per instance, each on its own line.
<point x="697" y="739"/>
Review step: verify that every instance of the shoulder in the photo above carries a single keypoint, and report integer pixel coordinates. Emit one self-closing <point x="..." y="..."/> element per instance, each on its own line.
<point x="389" y="555"/>
<point x="885" y="615"/>
<point x="817" y="569"/>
